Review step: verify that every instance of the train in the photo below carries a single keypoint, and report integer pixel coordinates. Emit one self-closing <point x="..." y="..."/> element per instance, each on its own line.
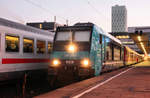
<point x="24" y="50"/>
<point x="85" y="50"/>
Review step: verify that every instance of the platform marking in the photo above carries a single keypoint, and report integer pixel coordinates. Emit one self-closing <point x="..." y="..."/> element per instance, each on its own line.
<point x="102" y="83"/>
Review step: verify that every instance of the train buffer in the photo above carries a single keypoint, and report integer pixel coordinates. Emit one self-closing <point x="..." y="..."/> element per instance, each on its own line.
<point x="131" y="82"/>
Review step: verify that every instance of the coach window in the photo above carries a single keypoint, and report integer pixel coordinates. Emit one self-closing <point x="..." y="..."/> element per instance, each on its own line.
<point x="12" y="43"/>
<point x="41" y="46"/>
<point x="28" y="45"/>
<point x="50" y="47"/>
<point x="100" y="39"/>
<point x="116" y="52"/>
<point x="108" y="49"/>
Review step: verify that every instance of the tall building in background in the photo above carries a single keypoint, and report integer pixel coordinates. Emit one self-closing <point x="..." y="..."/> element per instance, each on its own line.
<point x="120" y="29"/>
<point x="119" y="19"/>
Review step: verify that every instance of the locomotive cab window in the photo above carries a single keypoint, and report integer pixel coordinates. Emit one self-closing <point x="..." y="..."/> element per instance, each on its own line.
<point x="63" y="36"/>
<point x="82" y="36"/>
<point x="41" y="46"/>
<point x="12" y="43"/>
<point x="28" y="45"/>
<point x="50" y="47"/>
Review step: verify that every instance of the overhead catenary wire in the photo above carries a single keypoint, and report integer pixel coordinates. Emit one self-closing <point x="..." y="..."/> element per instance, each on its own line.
<point x="96" y="10"/>
<point x="8" y="13"/>
<point x="54" y="14"/>
<point x="45" y="9"/>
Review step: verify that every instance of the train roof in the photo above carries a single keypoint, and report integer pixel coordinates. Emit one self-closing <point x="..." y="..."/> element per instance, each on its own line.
<point x="108" y="35"/>
<point x="74" y="28"/>
<point x="16" y="25"/>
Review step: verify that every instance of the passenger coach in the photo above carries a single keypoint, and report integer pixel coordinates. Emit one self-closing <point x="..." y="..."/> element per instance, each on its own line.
<point x="86" y="50"/>
<point x="23" y="50"/>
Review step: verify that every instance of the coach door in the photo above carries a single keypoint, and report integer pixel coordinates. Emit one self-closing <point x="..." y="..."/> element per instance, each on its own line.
<point x="98" y="58"/>
<point x="103" y="46"/>
<point x="103" y="49"/>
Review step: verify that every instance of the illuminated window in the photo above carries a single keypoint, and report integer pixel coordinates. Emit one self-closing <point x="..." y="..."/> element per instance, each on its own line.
<point x="40" y="25"/>
<point x="117" y="53"/>
<point x="117" y="36"/>
<point x="41" y="46"/>
<point x="28" y="45"/>
<point x="123" y="37"/>
<point x="12" y="43"/>
<point x="128" y="42"/>
<point x="49" y="47"/>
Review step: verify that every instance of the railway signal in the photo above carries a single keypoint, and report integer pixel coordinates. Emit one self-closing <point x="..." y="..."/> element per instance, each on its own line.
<point x="139" y="32"/>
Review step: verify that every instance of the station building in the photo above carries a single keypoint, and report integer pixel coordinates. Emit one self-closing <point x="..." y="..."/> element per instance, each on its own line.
<point x="137" y="38"/>
<point x="125" y="38"/>
<point x="119" y="27"/>
<point x="50" y="26"/>
<point x="141" y="36"/>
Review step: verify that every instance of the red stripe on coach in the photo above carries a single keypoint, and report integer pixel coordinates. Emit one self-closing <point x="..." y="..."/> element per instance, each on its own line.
<point x="18" y="60"/>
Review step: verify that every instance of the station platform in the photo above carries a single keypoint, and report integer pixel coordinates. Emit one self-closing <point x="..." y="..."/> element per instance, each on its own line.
<point x="131" y="82"/>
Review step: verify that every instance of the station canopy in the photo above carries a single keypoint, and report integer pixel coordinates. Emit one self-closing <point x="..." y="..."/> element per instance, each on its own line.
<point x="141" y="37"/>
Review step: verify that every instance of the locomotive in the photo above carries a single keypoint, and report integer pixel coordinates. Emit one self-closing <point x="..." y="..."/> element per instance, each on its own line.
<point x="85" y="50"/>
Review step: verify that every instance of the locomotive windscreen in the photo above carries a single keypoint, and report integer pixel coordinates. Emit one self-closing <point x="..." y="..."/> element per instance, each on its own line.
<point x="77" y="36"/>
<point x="63" y="36"/>
<point x="82" y="36"/>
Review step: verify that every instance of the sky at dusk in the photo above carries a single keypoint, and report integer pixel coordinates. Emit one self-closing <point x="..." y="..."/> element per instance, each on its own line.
<point x="95" y="11"/>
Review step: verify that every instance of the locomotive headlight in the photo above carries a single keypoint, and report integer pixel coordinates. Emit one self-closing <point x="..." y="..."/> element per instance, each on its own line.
<point x="55" y="63"/>
<point x="71" y="48"/>
<point x="85" y="63"/>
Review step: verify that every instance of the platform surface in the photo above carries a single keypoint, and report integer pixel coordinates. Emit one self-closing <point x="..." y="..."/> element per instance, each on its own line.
<point x="132" y="82"/>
